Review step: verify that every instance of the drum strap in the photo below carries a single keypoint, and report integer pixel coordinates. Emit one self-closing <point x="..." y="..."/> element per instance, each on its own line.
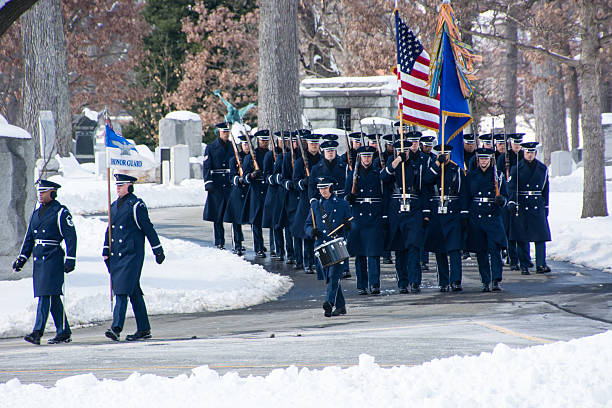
<point x="325" y="218"/>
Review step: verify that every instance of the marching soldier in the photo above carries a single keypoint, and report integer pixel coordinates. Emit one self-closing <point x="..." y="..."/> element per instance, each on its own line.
<point x="329" y="212"/>
<point x="272" y="203"/>
<point x="300" y="182"/>
<point x="427" y="143"/>
<point x="216" y="173"/>
<point x="50" y="224"/>
<point x="469" y="148"/>
<point x="237" y="197"/>
<point x="292" y="199"/>
<point x="484" y="198"/>
<point x="514" y="155"/>
<point x="387" y="190"/>
<point x="281" y="218"/>
<point x="408" y="212"/>
<point x="124" y="257"/>
<point x="500" y="144"/>
<point x="366" y="240"/>
<point x="486" y="142"/>
<point x="253" y="175"/>
<point x="445" y="229"/>
<point x="529" y="215"/>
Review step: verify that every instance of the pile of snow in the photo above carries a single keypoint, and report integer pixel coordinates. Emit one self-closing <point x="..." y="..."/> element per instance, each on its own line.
<point x="563" y="374"/>
<point x="10" y="131"/>
<point x="183" y="115"/>
<point x="192" y="279"/>
<point x="574" y="182"/>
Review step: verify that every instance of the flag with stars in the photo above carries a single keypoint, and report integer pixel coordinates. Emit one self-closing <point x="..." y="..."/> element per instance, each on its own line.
<point x="415" y="105"/>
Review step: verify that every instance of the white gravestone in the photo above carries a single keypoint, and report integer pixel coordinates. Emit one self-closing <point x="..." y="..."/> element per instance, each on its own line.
<point x="181" y="127"/>
<point x="179" y="163"/>
<point x="561" y="163"/>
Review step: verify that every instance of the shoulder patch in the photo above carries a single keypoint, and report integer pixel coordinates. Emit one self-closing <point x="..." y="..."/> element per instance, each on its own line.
<point x="69" y="220"/>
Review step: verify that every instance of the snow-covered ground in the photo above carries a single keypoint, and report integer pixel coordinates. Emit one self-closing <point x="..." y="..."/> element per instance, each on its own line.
<point x="585" y="241"/>
<point x="192" y="279"/>
<point x="563" y="374"/>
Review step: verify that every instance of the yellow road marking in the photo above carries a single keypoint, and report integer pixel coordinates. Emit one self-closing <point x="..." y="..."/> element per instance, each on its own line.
<point x="513" y="333"/>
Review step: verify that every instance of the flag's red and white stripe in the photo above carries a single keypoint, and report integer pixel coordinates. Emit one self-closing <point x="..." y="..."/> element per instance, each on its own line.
<point x="417" y="108"/>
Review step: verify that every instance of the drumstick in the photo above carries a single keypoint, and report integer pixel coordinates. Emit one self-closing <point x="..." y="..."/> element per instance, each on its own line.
<point x="314" y="225"/>
<point x="338" y="227"/>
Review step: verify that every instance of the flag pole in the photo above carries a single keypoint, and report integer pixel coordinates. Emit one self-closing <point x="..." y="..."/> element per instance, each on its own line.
<point x="108" y="122"/>
<point x="444" y="163"/>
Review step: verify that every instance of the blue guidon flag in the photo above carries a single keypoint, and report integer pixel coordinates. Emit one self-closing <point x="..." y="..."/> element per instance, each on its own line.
<point x="122" y="154"/>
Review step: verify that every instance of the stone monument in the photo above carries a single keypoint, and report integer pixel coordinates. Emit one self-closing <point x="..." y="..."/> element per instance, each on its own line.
<point x="181" y="127"/>
<point x="85" y="138"/>
<point x="18" y="196"/>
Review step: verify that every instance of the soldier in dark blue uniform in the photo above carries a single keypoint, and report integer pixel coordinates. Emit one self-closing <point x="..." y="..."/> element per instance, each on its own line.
<point x="329" y="212"/>
<point x="280" y="218"/>
<point x="500" y="140"/>
<point x="216" y="173"/>
<point x="290" y="159"/>
<point x="514" y="155"/>
<point x="529" y="216"/>
<point x="486" y="142"/>
<point x="445" y="236"/>
<point x="366" y="240"/>
<point x="387" y="191"/>
<point x="124" y="257"/>
<point x="408" y="212"/>
<point x="253" y="175"/>
<point x="484" y="198"/>
<point x="300" y="183"/>
<point x="469" y="148"/>
<point x="427" y="143"/>
<point x="50" y="224"/>
<point x="272" y="203"/>
<point x="237" y="197"/>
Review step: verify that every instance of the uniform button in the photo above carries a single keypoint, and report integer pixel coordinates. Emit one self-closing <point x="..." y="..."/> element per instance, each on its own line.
<point x="526" y="208"/>
<point x="535" y="208"/>
<point x="113" y="226"/>
<point x="35" y="231"/>
<point x="362" y="213"/>
<point x="34" y="258"/>
<point x="480" y="193"/>
<point x="479" y="203"/>
<point x="121" y="227"/>
<point x="112" y="239"/>
<point x="489" y="215"/>
<point x="479" y="216"/>
<point x="112" y="254"/>
<point x="43" y="230"/>
<point x="527" y="185"/>
<point x="120" y="241"/>
<point x="43" y="258"/>
<point x="119" y="253"/>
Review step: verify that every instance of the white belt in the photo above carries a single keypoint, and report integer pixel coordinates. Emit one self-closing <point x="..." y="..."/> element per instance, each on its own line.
<point x="219" y="171"/>
<point x="530" y="193"/>
<point x="402" y="196"/>
<point x="46" y="242"/>
<point x="484" y="200"/>
<point x="446" y="198"/>
<point x="368" y="200"/>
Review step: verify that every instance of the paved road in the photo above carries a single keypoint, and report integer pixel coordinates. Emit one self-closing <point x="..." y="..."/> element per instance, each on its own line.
<point x="396" y="329"/>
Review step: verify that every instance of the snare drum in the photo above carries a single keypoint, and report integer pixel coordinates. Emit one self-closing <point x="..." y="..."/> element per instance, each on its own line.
<point x="332" y="252"/>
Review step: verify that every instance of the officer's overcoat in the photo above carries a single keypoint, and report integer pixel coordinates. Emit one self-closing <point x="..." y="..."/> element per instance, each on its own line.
<point x="252" y="212"/>
<point x="45" y="233"/>
<point x="303" y="206"/>
<point x="216" y="170"/>
<point x="336" y="209"/>
<point x="237" y="197"/>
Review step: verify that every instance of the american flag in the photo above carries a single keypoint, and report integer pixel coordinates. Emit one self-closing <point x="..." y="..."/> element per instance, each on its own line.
<point x="412" y="73"/>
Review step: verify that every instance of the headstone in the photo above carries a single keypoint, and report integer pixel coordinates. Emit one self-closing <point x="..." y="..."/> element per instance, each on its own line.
<point x="195" y="167"/>
<point x="162" y="156"/>
<point x="607" y="131"/>
<point x="17" y="200"/>
<point x="181" y="127"/>
<point x="46" y="166"/>
<point x="561" y="163"/>
<point x="179" y="162"/>
<point x="84" y="136"/>
<point x="100" y="159"/>
<point x="576" y="155"/>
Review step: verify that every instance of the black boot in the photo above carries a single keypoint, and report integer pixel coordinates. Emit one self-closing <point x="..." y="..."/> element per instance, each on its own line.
<point x="327" y="307"/>
<point x="139" y="335"/>
<point x="542" y="269"/>
<point x="362" y="291"/>
<point x="33" y="337"/>
<point x="496" y="287"/>
<point x="444" y="288"/>
<point x="375" y="291"/>
<point x="112" y="334"/>
<point x="415" y="288"/>
<point x="60" y="338"/>
<point x="524" y="271"/>
<point x="456" y="287"/>
<point x="403" y="290"/>
<point x="260" y="254"/>
<point x="485" y="288"/>
<point x="338" y="312"/>
<point x="311" y="270"/>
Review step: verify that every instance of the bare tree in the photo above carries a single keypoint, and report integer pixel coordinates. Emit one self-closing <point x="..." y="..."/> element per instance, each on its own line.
<point x="45" y="75"/>
<point x="278" y="82"/>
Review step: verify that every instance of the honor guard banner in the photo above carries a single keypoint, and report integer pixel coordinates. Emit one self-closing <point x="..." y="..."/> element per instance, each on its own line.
<point x="121" y="154"/>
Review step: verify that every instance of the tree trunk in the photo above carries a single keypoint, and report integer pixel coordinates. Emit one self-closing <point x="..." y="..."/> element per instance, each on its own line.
<point x="510" y="70"/>
<point x="278" y="82"/>
<point x="594" y="190"/>
<point x="572" y="99"/>
<point x="549" y="109"/>
<point x="45" y="76"/>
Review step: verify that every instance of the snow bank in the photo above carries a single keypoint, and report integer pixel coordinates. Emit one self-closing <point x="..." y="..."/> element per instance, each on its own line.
<point x="183" y="115"/>
<point x="192" y="279"/>
<point x="563" y="374"/>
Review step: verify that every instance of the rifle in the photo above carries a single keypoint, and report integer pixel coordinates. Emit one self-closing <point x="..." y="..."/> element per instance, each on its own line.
<point x="304" y="158"/>
<point x="273" y="145"/>
<point x="348" y="144"/>
<point x="506" y="155"/>
<point x="493" y="158"/>
<point x="360" y="127"/>
<point x="236" y="155"/>
<point x="357" y="161"/>
<point x="380" y="155"/>
<point x="251" y="150"/>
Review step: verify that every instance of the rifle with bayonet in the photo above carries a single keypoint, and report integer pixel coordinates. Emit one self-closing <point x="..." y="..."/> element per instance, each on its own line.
<point x="236" y="155"/>
<point x="348" y="144"/>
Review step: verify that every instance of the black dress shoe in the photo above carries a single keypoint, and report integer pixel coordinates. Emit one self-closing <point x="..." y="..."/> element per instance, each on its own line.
<point x="310" y="270"/>
<point x="542" y="269"/>
<point x="139" y="335"/>
<point x="514" y="267"/>
<point x="327" y="307"/>
<point x="221" y="247"/>
<point x="415" y="288"/>
<point x="387" y="261"/>
<point x="403" y="290"/>
<point x="234" y="251"/>
<point x="524" y="271"/>
<point x="278" y="258"/>
<point x="290" y="261"/>
<point x="496" y="287"/>
<point x="531" y="265"/>
<point x="465" y="256"/>
<point x="272" y="254"/>
<point x="112" y="334"/>
<point x="444" y="288"/>
<point x="338" y="312"/>
<point x="424" y="267"/>
<point x="298" y="267"/>
<point x="60" y="338"/>
<point x="33" y="337"/>
<point x="362" y="292"/>
<point x="239" y="253"/>
<point x="375" y="291"/>
<point x="456" y="287"/>
<point x="346" y="275"/>
<point x="260" y="254"/>
<point x="243" y="249"/>
<point x="485" y="288"/>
